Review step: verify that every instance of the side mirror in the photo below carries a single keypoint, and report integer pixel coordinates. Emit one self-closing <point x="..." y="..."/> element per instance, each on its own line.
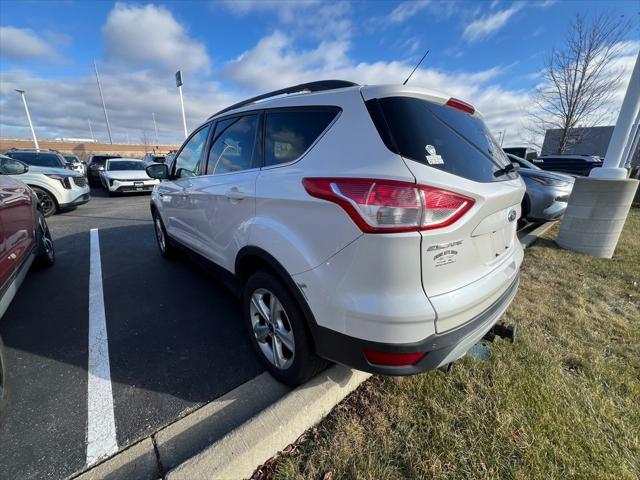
<point x="158" y="170"/>
<point x="10" y="166"/>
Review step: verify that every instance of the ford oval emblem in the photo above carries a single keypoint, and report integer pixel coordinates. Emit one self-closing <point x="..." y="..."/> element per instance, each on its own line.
<point x="512" y="215"/>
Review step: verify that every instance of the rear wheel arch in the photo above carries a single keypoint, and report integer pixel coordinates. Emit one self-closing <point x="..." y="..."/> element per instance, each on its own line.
<point x="253" y="259"/>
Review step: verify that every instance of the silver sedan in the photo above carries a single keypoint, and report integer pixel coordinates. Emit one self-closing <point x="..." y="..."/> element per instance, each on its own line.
<point x="547" y="192"/>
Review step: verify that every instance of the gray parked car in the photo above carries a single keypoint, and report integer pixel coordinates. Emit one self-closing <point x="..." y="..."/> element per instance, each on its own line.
<point x="547" y="192"/>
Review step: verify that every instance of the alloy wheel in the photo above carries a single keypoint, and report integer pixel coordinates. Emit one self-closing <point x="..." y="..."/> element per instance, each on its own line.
<point x="47" y="203"/>
<point x="47" y="242"/>
<point x="160" y="234"/>
<point x="272" y="328"/>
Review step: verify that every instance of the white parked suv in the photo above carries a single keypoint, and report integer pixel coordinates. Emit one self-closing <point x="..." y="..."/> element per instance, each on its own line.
<point x="57" y="189"/>
<point x="121" y="175"/>
<point x="373" y="226"/>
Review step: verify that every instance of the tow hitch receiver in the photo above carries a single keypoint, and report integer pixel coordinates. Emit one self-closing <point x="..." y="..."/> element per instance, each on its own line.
<point x="482" y="349"/>
<point x="502" y="330"/>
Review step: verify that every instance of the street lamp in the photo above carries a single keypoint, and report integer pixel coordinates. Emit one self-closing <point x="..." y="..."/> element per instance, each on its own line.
<point x="155" y="126"/>
<point x="104" y="106"/>
<point x="179" y="83"/>
<point x="26" y="109"/>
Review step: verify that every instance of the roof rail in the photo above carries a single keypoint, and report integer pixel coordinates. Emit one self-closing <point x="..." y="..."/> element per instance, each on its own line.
<point x="309" y="87"/>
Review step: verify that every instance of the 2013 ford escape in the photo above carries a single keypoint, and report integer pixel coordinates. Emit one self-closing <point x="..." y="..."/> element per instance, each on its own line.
<point x="373" y="226"/>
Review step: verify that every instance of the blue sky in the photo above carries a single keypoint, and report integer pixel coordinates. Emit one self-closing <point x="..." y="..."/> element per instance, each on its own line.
<point x="488" y="53"/>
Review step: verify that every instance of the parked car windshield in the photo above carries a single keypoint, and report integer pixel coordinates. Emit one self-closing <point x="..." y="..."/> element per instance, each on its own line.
<point x="522" y="162"/>
<point x="39" y="159"/>
<point x="441" y="137"/>
<point x="126" y="165"/>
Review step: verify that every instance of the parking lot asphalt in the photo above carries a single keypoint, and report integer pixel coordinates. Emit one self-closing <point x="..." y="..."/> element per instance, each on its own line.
<point x="175" y="340"/>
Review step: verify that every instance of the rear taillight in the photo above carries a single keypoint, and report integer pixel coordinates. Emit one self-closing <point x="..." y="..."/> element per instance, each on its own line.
<point x="392" y="359"/>
<point x="389" y="206"/>
<point x="460" y="105"/>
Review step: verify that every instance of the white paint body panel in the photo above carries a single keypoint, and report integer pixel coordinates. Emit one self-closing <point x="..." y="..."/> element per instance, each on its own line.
<point x="377" y="287"/>
<point x="36" y="177"/>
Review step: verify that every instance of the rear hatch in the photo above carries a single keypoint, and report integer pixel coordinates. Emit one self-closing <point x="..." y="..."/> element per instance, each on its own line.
<point x="471" y="262"/>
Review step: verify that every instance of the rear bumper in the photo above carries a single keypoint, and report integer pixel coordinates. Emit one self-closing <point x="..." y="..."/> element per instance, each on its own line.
<point x="93" y="175"/>
<point x="441" y="348"/>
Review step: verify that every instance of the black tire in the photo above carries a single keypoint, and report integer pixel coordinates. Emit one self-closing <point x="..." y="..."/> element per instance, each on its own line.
<point x="2" y="381"/>
<point x="303" y="362"/>
<point x="165" y="245"/>
<point x="47" y="201"/>
<point x="45" y="251"/>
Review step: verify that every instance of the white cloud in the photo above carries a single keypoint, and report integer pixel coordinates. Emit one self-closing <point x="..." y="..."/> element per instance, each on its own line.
<point x="60" y="107"/>
<point x="407" y="10"/>
<point x="309" y="18"/>
<point x="285" y="10"/>
<point x="487" y="25"/>
<point x="274" y="64"/>
<point x="23" y="44"/>
<point x="150" y="37"/>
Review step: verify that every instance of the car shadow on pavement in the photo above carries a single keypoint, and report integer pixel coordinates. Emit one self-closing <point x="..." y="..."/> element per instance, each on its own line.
<point x="175" y="334"/>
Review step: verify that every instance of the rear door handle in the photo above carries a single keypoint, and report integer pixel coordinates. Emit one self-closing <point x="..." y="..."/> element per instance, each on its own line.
<point x="234" y="194"/>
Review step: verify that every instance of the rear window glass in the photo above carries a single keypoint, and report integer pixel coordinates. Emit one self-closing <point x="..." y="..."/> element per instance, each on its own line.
<point x="440" y="137"/>
<point x="100" y="159"/>
<point x="290" y="133"/>
<point x="38" y="159"/>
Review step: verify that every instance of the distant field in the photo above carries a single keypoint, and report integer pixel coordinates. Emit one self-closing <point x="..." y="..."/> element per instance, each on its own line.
<point x="563" y="402"/>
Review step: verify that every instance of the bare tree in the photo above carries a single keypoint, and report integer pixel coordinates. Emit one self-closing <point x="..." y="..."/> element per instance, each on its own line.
<point x="577" y="80"/>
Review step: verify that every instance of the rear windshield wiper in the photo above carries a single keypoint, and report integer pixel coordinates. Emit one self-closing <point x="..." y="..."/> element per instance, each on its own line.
<point x="511" y="167"/>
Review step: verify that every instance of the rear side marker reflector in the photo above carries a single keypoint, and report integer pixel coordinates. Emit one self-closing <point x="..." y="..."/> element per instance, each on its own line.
<point x="389" y="206"/>
<point x="460" y="105"/>
<point x="392" y="359"/>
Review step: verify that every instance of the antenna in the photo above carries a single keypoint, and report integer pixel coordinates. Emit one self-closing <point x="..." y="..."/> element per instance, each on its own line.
<point x="416" y="67"/>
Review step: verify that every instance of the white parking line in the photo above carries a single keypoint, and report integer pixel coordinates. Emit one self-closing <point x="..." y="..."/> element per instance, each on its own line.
<point x="101" y="426"/>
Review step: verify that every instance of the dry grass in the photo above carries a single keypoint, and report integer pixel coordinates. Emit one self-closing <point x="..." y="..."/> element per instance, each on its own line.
<point x="563" y="402"/>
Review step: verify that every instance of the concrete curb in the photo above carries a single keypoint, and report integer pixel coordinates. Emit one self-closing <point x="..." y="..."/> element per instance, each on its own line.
<point x="231" y="436"/>
<point x="239" y="453"/>
<point x="150" y="458"/>
<point x="532" y="235"/>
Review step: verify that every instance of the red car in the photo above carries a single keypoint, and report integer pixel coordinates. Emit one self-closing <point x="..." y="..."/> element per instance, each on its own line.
<point x="24" y="235"/>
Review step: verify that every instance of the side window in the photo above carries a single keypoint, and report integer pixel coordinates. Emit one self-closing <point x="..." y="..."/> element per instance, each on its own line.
<point x="234" y="146"/>
<point x="289" y="134"/>
<point x="187" y="163"/>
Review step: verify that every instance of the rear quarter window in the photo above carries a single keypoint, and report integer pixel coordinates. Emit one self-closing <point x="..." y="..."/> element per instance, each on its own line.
<point x="440" y="137"/>
<point x="289" y="134"/>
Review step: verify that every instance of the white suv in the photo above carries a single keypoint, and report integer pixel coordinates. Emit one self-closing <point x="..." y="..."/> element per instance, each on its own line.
<point x="373" y="226"/>
<point x="57" y="188"/>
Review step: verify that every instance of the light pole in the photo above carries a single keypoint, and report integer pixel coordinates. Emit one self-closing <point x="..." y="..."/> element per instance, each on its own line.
<point x="91" y="130"/>
<point x="155" y="126"/>
<point x="104" y="107"/>
<point x="26" y="109"/>
<point x="179" y="83"/>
